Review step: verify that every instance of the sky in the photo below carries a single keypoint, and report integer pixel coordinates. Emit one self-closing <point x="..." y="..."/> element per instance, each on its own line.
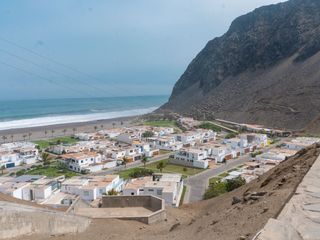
<point x="101" y="48"/>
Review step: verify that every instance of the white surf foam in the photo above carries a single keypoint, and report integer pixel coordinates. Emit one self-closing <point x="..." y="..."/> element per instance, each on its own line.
<point x="54" y="120"/>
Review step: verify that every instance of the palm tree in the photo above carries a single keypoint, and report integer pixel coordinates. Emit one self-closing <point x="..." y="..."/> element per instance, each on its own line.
<point x="64" y="131"/>
<point x="74" y="131"/>
<point x="113" y="124"/>
<point x="95" y="128"/>
<point x="3" y="167"/>
<point x="46" y="158"/>
<point x="24" y="137"/>
<point x="121" y="123"/>
<point x="4" y="138"/>
<point x="161" y="165"/>
<point x="45" y="133"/>
<point x="144" y="160"/>
<point x="29" y="134"/>
<point x="12" y="138"/>
<point x="125" y="161"/>
<point x="101" y="126"/>
<point x="52" y="132"/>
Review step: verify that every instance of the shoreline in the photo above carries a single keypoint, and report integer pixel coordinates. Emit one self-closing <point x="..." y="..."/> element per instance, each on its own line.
<point x="38" y="133"/>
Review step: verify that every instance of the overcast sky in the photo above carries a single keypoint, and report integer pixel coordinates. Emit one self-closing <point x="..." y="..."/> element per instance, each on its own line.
<point x="81" y="48"/>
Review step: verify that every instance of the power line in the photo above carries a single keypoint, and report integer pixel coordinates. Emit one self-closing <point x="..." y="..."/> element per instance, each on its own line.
<point x="52" y="60"/>
<point x="37" y="75"/>
<point x="52" y="70"/>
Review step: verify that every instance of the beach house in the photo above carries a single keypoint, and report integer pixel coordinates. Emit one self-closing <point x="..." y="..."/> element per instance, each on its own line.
<point x="191" y="157"/>
<point x="166" y="186"/>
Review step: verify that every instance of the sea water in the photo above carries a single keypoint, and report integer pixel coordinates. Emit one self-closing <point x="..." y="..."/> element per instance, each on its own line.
<point x="33" y="113"/>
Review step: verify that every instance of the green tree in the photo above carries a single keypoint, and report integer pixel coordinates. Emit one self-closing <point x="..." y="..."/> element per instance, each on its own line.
<point x="235" y="183"/>
<point x="4" y="138"/>
<point x="161" y="165"/>
<point x="95" y="128"/>
<point x="112" y="192"/>
<point x="144" y="160"/>
<point x="147" y="134"/>
<point x="125" y="161"/>
<point x="46" y="159"/>
<point x="64" y="131"/>
<point x="52" y="132"/>
<point x="29" y="134"/>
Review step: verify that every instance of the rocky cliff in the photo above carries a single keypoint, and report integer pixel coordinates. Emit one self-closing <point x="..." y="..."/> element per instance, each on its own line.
<point x="264" y="70"/>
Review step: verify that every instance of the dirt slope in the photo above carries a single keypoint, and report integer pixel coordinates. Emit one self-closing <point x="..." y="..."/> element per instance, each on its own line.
<point x="216" y="218"/>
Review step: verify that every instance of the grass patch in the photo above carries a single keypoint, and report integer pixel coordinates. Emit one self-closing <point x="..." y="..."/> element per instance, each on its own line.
<point x="43" y="144"/>
<point x="161" y="123"/>
<point x="172" y="168"/>
<point x="211" y="126"/>
<point x="223" y="175"/>
<point x="214" y="180"/>
<point x="162" y="152"/>
<point x="169" y="168"/>
<point x="182" y="195"/>
<point x="51" y="171"/>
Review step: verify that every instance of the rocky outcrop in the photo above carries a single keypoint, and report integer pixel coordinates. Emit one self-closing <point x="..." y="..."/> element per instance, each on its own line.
<point x="265" y="69"/>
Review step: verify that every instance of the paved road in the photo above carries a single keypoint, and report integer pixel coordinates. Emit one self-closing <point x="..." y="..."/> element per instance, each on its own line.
<point x="198" y="184"/>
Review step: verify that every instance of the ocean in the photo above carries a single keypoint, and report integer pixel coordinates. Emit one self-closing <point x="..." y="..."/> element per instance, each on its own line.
<point x="33" y="113"/>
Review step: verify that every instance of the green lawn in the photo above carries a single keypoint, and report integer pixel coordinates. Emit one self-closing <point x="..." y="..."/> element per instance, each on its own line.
<point x="125" y="174"/>
<point x="161" y="123"/>
<point x="162" y="152"/>
<point x="51" y="171"/>
<point x="172" y="168"/>
<point x="169" y="168"/>
<point x="55" y="141"/>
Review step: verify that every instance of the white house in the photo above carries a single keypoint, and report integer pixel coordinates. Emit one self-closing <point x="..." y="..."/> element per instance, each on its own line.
<point x="166" y="186"/>
<point x="93" y="187"/>
<point x="78" y="162"/>
<point x="191" y="157"/>
<point x="167" y="143"/>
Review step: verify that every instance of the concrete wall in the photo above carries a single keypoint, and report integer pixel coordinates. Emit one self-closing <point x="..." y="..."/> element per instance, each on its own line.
<point x="155" y="204"/>
<point x="17" y="220"/>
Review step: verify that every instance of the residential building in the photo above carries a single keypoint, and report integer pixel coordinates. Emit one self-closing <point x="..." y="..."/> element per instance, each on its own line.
<point x="166" y="186"/>
<point x="191" y="157"/>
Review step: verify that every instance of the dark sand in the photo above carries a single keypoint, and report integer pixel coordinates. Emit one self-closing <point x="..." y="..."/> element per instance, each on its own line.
<point x="36" y="133"/>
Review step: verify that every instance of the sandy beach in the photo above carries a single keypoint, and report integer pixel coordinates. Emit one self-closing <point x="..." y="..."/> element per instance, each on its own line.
<point x="45" y="132"/>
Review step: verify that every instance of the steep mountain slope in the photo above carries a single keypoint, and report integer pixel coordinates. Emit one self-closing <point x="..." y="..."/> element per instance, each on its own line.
<point x="265" y="69"/>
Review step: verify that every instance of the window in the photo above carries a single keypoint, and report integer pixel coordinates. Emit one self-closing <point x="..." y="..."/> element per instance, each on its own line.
<point x="132" y="193"/>
<point x="159" y="192"/>
<point x="150" y="190"/>
<point x="86" y="193"/>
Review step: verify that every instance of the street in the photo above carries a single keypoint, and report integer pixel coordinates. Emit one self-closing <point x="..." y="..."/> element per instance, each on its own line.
<point x="197" y="184"/>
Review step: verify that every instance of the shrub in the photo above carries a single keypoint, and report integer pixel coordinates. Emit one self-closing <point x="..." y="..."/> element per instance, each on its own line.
<point x="235" y="183"/>
<point x="231" y="135"/>
<point x="20" y="172"/>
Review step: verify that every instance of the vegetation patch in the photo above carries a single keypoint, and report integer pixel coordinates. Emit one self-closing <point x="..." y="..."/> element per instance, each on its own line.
<point x="208" y="125"/>
<point x="140" y="172"/>
<point x="54" y="170"/>
<point x="43" y="144"/>
<point x="218" y="188"/>
<point x="230" y="135"/>
<point x="161" y="123"/>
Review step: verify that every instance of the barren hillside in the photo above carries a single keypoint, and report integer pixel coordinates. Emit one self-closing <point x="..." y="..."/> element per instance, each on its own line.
<point x="264" y="70"/>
